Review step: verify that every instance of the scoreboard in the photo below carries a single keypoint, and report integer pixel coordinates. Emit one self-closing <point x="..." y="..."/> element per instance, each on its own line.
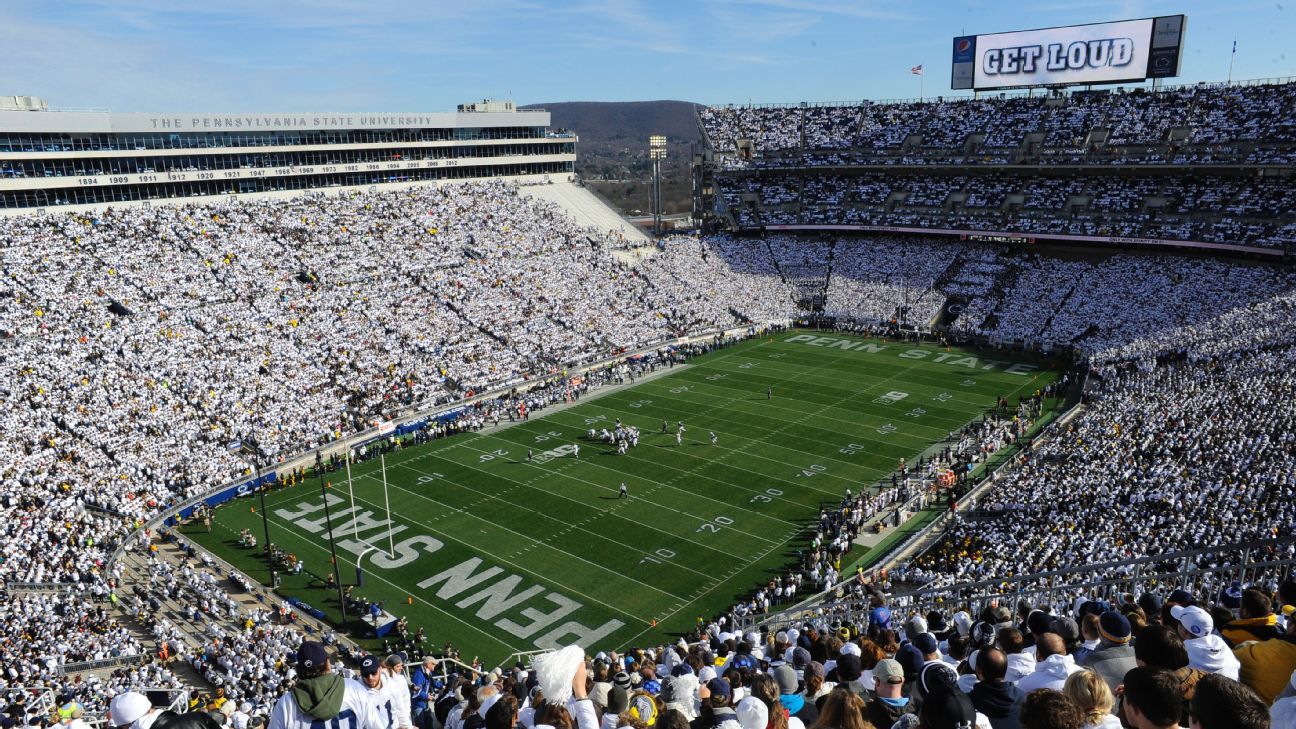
<point x="1098" y="53"/>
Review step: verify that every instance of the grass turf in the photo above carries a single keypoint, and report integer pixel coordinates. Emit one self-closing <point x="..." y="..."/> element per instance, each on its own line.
<point x="512" y="555"/>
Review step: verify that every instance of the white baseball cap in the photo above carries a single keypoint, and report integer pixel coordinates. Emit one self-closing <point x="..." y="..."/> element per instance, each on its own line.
<point x="127" y="708"/>
<point x="963" y="622"/>
<point x="1194" y="620"/>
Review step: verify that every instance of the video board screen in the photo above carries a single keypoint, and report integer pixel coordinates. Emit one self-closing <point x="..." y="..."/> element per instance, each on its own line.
<point x="1098" y="53"/>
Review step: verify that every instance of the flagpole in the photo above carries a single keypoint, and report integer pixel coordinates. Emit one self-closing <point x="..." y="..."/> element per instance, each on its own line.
<point x="391" y="541"/>
<point x="1231" y="59"/>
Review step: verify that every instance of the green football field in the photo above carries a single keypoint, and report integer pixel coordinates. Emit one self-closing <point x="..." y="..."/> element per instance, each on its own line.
<point x="498" y="554"/>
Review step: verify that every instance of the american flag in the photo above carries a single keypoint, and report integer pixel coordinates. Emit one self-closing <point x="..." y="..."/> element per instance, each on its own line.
<point x="916" y="70"/>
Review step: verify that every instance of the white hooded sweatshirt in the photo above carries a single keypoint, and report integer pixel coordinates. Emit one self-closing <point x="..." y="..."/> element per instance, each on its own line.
<point x="1212" y="655"/>
<point x="1020" y="665"/>
<point x="1050" y="673"/>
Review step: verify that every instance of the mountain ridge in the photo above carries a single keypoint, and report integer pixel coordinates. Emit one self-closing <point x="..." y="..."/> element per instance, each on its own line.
<point x="612" y="152"/>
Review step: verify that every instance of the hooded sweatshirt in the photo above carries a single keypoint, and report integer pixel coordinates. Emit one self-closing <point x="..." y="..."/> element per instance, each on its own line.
<point x="1050" y="673"/>
<point x="1211" y="654"/>
<point x="798" y="707"/>
<point x="999" y="701"/>
<point x="1020" y="665"/>
<point x="886" y="712"/>
<point x="1243" y="630"/>
<point x="322" y="698"/>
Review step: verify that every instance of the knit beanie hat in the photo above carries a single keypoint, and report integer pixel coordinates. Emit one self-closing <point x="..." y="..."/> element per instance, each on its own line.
<point x="1114" y="627"/>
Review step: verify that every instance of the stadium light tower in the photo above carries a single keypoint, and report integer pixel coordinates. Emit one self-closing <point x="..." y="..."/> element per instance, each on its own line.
<point x="656" y="153"/>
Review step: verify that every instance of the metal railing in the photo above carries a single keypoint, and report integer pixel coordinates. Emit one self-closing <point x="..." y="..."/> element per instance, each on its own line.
<point x="265" y="594"/>
<point x="524" y="656"/>
<point x="100" y="663"/>
<point x="42" y="586"/>
<point x="41" y="700"/>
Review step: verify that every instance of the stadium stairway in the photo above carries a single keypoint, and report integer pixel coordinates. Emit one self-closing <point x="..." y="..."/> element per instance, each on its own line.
<point x="586" y="208"/>
<point x="137" y="570"/>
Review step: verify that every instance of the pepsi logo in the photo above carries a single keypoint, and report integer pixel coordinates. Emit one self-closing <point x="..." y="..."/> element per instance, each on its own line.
<point x="963" y="45"/>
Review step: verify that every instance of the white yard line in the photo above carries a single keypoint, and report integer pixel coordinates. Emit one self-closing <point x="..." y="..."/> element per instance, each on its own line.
<point x="622" y="475"/>
<point x="486" y="552"/>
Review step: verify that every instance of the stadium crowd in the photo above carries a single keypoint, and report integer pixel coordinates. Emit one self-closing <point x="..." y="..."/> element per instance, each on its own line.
<point x="1218" y="123"/>
<point x="764" y="153"/>
<point x="139" y="342"/>
<point x="1246" y="210"/>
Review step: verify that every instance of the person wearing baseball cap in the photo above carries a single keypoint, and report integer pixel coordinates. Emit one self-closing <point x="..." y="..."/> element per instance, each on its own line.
<point x="385" y="694"/>
<point x="848" y="670"/>
<point x="321" y="695"/>
<point x="1206" y="651"/>
<point x="716" y="711"/>
<point x="131" y="709"/>
<point x="889" y="704"/>
<point x="393" y="671"/>
<point x="422" y="699"/>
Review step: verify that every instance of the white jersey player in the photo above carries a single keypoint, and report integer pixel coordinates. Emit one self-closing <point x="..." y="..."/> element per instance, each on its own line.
<point x="322" y="699"/>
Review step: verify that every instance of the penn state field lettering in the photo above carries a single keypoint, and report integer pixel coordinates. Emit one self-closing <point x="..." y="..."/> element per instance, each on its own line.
<point x="498" y="596"/>
<point x="953" y="359"/>
<point x="835" y="343"/>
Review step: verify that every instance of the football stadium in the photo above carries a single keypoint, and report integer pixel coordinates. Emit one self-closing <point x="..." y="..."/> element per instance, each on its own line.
<point x="966" y="410"/>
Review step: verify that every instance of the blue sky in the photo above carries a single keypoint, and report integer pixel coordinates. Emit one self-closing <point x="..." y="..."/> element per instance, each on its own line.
<point x="405" y="55"/>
